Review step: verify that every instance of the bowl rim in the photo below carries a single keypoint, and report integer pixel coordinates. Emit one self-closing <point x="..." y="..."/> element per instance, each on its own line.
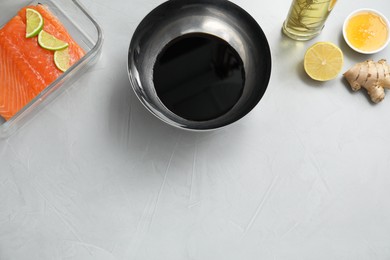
<point x="361" y="10"/>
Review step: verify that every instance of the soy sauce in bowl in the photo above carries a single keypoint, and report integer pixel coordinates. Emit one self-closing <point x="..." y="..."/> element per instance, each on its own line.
<point x="199" y="76"/>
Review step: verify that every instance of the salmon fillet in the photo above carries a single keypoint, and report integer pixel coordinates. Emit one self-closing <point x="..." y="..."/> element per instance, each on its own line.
<point x="26" y="68"/>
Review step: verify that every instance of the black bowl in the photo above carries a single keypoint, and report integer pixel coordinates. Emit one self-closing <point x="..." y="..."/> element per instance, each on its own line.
<point x="224" y="24"/>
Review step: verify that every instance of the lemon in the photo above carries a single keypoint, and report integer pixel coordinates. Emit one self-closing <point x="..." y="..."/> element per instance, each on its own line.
<point x="62" y="59"/>
<point x="323" y="61"/>
<point x="34" y="23"/>
<point x="49" y="42"/>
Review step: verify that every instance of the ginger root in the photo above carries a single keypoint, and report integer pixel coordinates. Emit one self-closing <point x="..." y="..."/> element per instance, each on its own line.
<point x="373" y="76"/>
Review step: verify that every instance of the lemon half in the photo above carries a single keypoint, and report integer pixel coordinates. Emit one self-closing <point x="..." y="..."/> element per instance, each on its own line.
<point x="323" y="61"/>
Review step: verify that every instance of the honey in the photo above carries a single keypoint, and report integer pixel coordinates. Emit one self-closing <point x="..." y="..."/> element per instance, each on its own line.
<point x="367" y="31"/>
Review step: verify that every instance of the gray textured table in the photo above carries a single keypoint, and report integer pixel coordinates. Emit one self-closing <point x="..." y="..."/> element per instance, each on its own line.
<point x="305" y="175"/>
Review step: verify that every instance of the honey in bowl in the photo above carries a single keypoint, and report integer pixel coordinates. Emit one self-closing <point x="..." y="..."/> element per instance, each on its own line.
<point x="366" y="31"/>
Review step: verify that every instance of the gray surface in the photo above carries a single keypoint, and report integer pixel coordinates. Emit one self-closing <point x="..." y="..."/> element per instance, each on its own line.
<point x="305" y="175"/>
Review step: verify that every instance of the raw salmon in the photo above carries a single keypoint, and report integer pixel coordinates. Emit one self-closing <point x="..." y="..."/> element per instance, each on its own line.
<point x="26" y="68"/>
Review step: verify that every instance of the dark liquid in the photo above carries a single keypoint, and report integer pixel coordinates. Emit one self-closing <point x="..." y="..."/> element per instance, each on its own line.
<point x="199" y="77"/>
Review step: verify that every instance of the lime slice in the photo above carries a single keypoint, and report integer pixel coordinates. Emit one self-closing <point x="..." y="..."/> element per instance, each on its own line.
<point x="62" y="59"/>
<point x="34" y="23"/>
<point x="49" y="42"/>
<point x="323" y="61"/>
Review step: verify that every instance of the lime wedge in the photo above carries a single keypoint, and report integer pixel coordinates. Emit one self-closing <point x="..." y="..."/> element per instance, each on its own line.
<point x="49" y="42"/>
<point x="62" y="59"/>
<point x="34" y="23"/>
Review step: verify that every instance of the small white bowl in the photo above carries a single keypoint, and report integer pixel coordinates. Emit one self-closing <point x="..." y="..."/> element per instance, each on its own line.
<point x="362" y="11"/>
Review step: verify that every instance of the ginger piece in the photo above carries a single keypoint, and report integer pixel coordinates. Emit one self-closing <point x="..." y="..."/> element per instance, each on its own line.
<point x="373" y="76"/>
